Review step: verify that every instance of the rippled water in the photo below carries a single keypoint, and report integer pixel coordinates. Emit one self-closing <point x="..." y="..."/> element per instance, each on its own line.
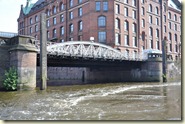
<point x="119" y="101"/>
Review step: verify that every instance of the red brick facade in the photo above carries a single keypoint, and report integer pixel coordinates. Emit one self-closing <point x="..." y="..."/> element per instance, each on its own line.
<point x="140" y="34"/>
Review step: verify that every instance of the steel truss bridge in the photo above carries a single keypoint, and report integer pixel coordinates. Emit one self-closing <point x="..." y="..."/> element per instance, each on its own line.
<point x="88" y="50"/>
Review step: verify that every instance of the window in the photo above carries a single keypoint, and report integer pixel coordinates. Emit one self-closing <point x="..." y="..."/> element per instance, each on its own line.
<point x="48" y="23"/>
<point x="125" y="1"/>
<point x="169" y="15"/>
<point x="117" y="39"/>
<point x="143" y="23"/>
<point x="134" y="54"/>
<point x="98" y="6"/>
<point x="54" y="21"/>
<point x="105" y="6"/>
<point x="170" y="47"/>
<point x="157" y="33"/>
<point x="80" y="11"/>
<point x="71" y="3"/>
<point x="80" y="25"/>
<point x="48" y="34"/>
<point x="62" y="18"/>
<point x="143" y="11"/>
<point x="71" y="28"/>
<point x="134" y="14"/>
<point x="134" y="41"/>
<point x="36" y="28"/>
<point x="150" y="8"/>
<point x="127" y="53"/>
<point x="157" y="21"/>
<point x="48" y="13"/>
<point x="54" y="10"/>
<point x="117" y="23"/>
<point x="101" y="21"/>
<point x="164" y="18"/>
<point x="156" y="10"/>
<point x="36" y="18"/>
<point x="175" y="17"/>
<point x="175" y="36"/>
<point x="176" y="48"/>
<point x="151" y="44"/>
<point x="133" y="2"/>
<point x="175" y="27"/>
<point x="71" y="15"/>
<point x="127" y="40"/>
<point x="126" y="11"/>
<point x="150" y="32"/>
<point x="102" y="36"/>
<point x="31" y="21"/>
<point x="61" y="6"/>
<point x="54" y="33"/>
<point x="61" y="30"/>
<point x="142" y="1"/>
<point x="126" y="25"/>
<point x="134" y="28"/>
<point x="117" y="9"/>
<point x="169" y="25"/>
<point x="169" y="36"/>
<point x="158" y="45"/>
<point x="150" y="19"/>
<point x="36" y="37"/>
<point x="79" y="1"/>
<point x="165" y="28"/>
<point x="30" y="30"/>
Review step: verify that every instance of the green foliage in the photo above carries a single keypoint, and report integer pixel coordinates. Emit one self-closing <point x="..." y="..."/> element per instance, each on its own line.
<point x="10" y="82"/>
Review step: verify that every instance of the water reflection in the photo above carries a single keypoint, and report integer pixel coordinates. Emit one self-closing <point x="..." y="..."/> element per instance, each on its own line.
<point x="121" y="101"/>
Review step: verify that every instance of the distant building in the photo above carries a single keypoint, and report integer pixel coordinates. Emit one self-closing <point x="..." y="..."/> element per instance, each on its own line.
<point x="128" y="25"/>
<point x="7" y="34"/>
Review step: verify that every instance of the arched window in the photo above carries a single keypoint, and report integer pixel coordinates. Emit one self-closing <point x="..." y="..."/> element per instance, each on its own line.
<point x="54" y="10"/>
<point x="101" y="21"/>
<point x="143" y="11"/>
<point x="117" y="23"/>
<point x="61" y="6"/>
<point x="150" y="8"/>
<point x="48" y="12"/>
<point x="36" y="18"/>
<point x="175" y="17"/>
<point x="169" y="15"/>
<point x="156" y="10"/>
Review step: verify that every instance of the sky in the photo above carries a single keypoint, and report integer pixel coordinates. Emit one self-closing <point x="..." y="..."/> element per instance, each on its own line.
<point x="9" y="12"/>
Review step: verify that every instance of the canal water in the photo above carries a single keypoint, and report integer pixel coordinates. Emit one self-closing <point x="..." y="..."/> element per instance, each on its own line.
<point x="113" y="101"/>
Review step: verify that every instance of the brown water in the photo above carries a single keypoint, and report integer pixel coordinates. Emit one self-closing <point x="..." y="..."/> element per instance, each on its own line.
<point x="119" y="101"/>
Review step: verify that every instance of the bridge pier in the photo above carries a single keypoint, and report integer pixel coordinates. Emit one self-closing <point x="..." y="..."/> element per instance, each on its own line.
<point x="23" y="54"/>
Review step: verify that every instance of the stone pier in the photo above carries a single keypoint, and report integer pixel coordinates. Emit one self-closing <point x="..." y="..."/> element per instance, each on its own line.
<point x="23" y="54"/>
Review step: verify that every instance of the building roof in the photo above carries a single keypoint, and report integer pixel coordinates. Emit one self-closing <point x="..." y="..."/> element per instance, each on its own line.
<point x="29" y="6"/>
<point x="175" y="4"/>
<point x="7" y="34"/>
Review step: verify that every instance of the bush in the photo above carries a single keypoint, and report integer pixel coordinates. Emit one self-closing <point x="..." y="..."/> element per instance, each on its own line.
<point x="10" y="82"/>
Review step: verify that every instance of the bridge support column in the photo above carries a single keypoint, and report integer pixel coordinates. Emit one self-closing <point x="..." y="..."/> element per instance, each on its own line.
<point x="23" y="54"/>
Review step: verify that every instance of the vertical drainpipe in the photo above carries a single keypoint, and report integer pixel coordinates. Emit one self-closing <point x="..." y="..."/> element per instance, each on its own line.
<point x="138" y="25"/>
<point x="66" y="19"/>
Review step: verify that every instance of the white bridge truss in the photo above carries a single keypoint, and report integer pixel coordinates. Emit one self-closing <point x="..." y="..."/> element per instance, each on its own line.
<point x="88" y="49"/>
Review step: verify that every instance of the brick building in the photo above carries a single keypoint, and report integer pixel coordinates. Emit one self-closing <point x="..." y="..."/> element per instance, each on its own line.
<point x="128" y="25"/>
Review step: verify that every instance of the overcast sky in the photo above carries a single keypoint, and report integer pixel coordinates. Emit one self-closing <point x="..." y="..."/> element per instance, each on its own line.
<point x="9" y="12"/>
